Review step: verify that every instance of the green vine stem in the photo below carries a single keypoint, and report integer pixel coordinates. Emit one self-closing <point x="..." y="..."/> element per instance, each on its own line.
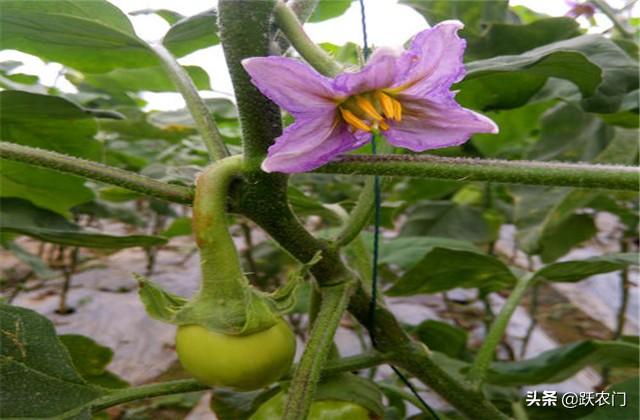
<point x="305" y="379"/>
<point x="96" y="171"/>
<point x="584" y="175"/>
<point x="289" y="24"/>
<point x="205" y="123"/>
<point x="483" y="359"/>
<point x="121" y="396"/>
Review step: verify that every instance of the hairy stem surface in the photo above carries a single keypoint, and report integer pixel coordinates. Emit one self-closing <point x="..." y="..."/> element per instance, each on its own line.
<point x="207" y="127"/>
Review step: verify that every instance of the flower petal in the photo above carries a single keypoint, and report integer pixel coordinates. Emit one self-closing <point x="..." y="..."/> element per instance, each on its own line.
<point x="291" y="84"/>
<point x="378" y="73"/>
<point x="434" y="60"/>
<point x="310" y="143"/>
<point x="433" y="124"/>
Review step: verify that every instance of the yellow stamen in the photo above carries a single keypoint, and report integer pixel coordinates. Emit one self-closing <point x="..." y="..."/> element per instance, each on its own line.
<point x="397" y="110"/>
<point x="383" y="125"/>
<point x="367" y="107"/>
<point x="386" y="102"/>
<point x="354" y="121"/>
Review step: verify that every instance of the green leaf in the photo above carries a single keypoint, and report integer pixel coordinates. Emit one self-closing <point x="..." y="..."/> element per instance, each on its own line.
<point x="518" y="127"/>
<point x="90" y="360"/>
<point x="597" y="66"/>
<point x="348" y="53"/>
<point x="446" y="220"/>
<point x="88" y="36"/>
<point x="178" y="227"/>
<point x="20" y="216"/>
<point x="407" y="251"/>
<point x="37" y="374"/>
<point x="510" y="39"/>
<point x="169" y="16"/>
<point x="568" y="133"/>
<point x="328" y="9"/>
<point x="556" y="365"/>
<point x="442" y="337"/>
<point x="559" y="240"/>
<point x="631" y="390"/>
<point x="33" y="261"/>
<point x="159" y="303"/>
<point x="573" y="271"/>
<point x="46" y="122"/>
<point x="153" y="79"/>
<point x="445" y="269"/>
<point x="475" y="14"/>
<point x="231" y="405"/>
<point x="193" y="33"/>
<point x="351" y="388"/>
<point x="509" y="81"/>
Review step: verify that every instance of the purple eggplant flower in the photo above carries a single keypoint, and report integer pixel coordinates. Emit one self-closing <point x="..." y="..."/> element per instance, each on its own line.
<point x="403" y="94"/>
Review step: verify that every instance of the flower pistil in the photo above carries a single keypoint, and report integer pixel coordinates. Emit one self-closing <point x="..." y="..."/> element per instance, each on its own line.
<point x="370" y="110"/>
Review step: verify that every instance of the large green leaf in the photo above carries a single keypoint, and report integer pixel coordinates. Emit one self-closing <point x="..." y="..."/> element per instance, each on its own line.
<point x="153" y="79"/>
<point x="573" y="271"/>
<point x="627" y="393"/>
<point x="90" y="360"/>
<point x="508" y="39"/>
<point x="475" y="14"/>
<point x="20" y="216"/>
<point x="602" y="71"/>
<point x="91" y="36"/>
<point x="193" y="33"/>
<point x="445" y="269"/>
<point x="544" y="214"/>
<point x="568" y="133"/>
<point x="407" y="251"/>
<point x="328" y="9"/>
<point x="37" y="374"/>
<point x="447" y="220"/>
<point x="46" y="122"/>
<point x="563" y="362"/>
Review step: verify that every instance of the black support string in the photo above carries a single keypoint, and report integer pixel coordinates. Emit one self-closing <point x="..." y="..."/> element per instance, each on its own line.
<point x="376" y="238"/>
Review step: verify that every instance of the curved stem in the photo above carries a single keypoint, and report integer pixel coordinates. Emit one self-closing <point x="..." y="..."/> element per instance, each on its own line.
<point x="96" y="171"/>
<point x="305" y="379"/>
<point x="222" y="275"/>
<point x="584" y="175"/>
<point x="205" y="123"/>
<point x="289" y="24"/>
<point x="482" y="362"/>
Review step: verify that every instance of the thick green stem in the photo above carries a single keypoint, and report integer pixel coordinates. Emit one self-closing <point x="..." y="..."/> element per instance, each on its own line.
<point x="347" y="364"/>
<point x="96" y="171"/>
<point x="482" y="362"/>
<point x="207" y="127"/>
<point x="305" y="379"/>
<point x="584" y="175"/>
<point x="289" y="24"/>
<point x="222" y="275"/>
<point x="244" y="32"/>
